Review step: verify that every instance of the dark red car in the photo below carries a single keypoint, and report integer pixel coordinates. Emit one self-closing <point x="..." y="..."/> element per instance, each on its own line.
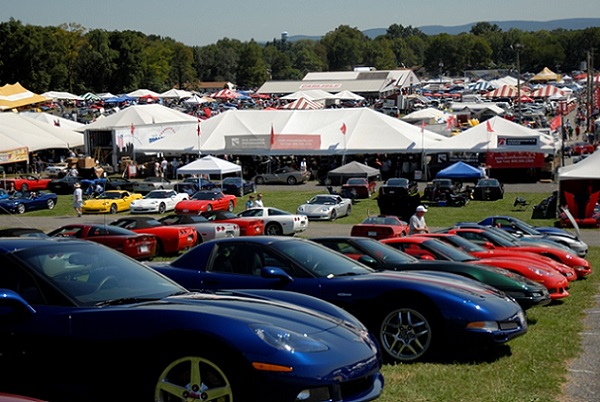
<point x="380" y="227"/>
<point x="359" y="187"/>
<point x="135" y="245"/>
<point x="171" y="240"/>
<point x="582" y="148"/>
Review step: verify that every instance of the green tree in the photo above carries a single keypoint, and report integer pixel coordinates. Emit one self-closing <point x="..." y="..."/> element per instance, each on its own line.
<point x="252" y="69"/>
<point x="345" y="48"/>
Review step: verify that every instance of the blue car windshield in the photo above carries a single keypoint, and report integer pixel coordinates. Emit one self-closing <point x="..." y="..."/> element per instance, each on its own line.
<point x="321" y="261"/>
<point x="90" y="274"/>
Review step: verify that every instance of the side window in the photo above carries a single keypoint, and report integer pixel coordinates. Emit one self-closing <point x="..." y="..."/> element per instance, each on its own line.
<point x="13" y="278"/>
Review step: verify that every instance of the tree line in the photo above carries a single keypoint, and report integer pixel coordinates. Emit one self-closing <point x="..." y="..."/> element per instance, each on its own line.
<point x="71" y="58"/>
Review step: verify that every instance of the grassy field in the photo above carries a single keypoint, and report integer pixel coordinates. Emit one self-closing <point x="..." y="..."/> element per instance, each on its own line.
<point x="533" y="367"/>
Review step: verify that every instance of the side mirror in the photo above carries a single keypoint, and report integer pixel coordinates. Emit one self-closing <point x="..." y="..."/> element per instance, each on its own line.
<point x="276" y="273"/>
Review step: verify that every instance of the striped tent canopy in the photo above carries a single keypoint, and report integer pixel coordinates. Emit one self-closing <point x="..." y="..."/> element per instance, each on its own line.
<point x="480" y="85"/>
<point x="91" y="97"/>
<point x="303" y="104"/>
<point x="547" y="91"/>
<point x="506" y="91"/>
<point x="226" y="94"/>
<point x="13" y="96"/>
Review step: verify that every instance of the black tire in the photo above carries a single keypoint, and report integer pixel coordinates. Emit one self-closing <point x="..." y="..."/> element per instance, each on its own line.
<point x="50" y="204"/>
<point x="230" y="207"/>
<point x="292" y="180"/>
<point x="273" y="229"/>
<point x="162" y="208"/>
<point x="333" y="216"/>
<point x="259" y="180"/>
<point x="21" y="209"/>
<point x="113" y="209"/>
<point x="24" y="187"/>
<point x="406" y="334"/>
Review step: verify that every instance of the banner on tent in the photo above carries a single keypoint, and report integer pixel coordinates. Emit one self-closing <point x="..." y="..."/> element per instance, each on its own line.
<point x="507" y="160"/>
<point x="287" y="142"/>
<point x="14" y="155"/>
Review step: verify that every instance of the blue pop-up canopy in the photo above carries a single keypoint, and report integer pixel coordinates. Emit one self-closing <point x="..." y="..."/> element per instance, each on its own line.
<point x="460" y="171"/>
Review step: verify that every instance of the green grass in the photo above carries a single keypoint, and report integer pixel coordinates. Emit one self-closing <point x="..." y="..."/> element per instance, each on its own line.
<point x="535" y="367"/>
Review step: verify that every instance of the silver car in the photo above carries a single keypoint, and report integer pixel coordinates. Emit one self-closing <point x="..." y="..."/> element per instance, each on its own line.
<point x="326" y="207"/>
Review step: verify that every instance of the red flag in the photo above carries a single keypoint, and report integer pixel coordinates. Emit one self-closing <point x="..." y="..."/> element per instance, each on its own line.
<point x="272" y="135"/>
<point x="132" y="129"/>
<point x="198" y="129"/>
<point x="450" y="122"/>
<point x="488" y="126"/>
<point x="555" y="123"/>
<point x="343" y="128"/>
<point x="423" y="126"/>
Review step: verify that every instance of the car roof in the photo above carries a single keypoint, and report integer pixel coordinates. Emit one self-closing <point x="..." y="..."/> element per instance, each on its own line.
<point x="10" y="244"/>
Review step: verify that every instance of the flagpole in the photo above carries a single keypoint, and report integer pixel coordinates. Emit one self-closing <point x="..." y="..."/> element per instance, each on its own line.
<point x="423" y="164"/>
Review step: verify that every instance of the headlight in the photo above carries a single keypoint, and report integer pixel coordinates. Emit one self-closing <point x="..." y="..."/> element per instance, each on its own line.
<point x="539" y="272"/>
<point x="290" y="341"/>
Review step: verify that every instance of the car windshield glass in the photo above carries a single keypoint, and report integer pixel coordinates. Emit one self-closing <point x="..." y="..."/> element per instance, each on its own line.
<point x="158" y="194"/>
<point x="322" y="200"/>
<point x="447" y="251"/>
<point x="200" y="195"/>
<point x="109" y="196"/>
<point x="397" y="182"/>
<point x="389" y="254"/>
<point x="90" y="274"/>
<point x="319" y="260"/>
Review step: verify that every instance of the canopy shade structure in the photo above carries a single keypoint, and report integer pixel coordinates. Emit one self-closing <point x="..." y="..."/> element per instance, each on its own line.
<point x="586" y="169"/>
<point x="35" y="135"/>
<point x="547" y="91"/>
<point x="209" y="165"/>
<point x="505" y="91"/>
<point x="352" y="169"/>
<point x="54" y="120"/>
<point x="460" y="171"/>
<point x="13" y="96"/>
<point x="299" y="132"/>
<point x="176" y="94"/>
<point x="62" y="95"/>
<point x="140" y="93"/>
<point x="480" y="85"/>
<point x="497" y="135"/>
<point x="346" y="95"/>
<point x="312" y="94"/>
<point x="579" y="189"/>
<point x="546" y="75"/>
<point x="91" y="97"/>
<point x="303" y="103"/>
<point x="226" y="94"/>
<point x="141" y="115"/>
<point x="429" y="113"/>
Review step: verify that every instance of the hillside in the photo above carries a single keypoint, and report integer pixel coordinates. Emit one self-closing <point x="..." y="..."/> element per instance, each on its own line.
<point x="567" y="24"/>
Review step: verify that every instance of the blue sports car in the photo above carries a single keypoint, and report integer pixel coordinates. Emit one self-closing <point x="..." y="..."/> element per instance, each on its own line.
<point x="237" y="186"/>
<point x="412" y="314"/>
<point x="21" y="202"/>
<point x="80" y="321"/>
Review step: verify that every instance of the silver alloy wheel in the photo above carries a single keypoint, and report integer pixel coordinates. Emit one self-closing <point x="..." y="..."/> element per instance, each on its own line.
<point x="405" y="335"/>
<point x="193" y="378"/>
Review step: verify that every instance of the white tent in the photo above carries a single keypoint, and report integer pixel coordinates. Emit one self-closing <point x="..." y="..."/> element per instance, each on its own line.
<point x="62" y="95"/>
<point x="299" y="132"/>
<point x="429" y="113"/>
<point x="209" y="165"/>
<point x="54" y="120"/>
<point x="497" y="135"/>
<point x="138" y="93"/>
<point x="311" y="94"/>
<point x="176" y="94"/>
<point x="579" y="189"/>
<point x="586" y="169"/>
<point x="139" y="115"/>
<point x="303" y="103"/>
<point x="35" y="135"/>
<point x="346" y="95"/>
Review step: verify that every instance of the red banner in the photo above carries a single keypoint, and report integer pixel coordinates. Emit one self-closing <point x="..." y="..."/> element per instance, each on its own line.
<point x="511" y="160"/>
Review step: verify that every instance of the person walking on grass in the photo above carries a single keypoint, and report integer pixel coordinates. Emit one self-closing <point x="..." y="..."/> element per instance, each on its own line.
<point x="78" y="199"/>
<point x="417" y="222"/>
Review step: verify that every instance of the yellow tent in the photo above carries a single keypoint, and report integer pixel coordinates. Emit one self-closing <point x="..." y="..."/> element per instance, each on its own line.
<point x="14" y="96"/>
<point x="546" y="75"/>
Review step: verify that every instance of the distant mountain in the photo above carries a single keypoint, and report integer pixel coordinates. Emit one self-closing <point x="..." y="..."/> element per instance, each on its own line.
<point x="572" y="24"/>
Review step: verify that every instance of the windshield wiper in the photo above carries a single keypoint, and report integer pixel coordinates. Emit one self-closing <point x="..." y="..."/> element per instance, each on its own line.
<point x="124" y="300"/>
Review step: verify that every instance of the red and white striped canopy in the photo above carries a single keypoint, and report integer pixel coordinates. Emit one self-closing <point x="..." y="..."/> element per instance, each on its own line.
<point x="226" y="94"/>
<point x="505" y="91"/>
<point x="303" y="103"/>
<point x="547" y="91"/>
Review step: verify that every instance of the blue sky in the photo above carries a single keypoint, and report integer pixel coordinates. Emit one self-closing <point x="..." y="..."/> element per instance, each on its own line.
<point x="205" y="22"/>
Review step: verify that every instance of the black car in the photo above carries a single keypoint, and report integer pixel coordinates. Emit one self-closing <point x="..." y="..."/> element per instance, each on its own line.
<point x="64" y="185"/>
<point x="237" y="186"/>
<point x="488" y="190"/>
<point x="399" y="186"/>
<point x="440" y="189"/>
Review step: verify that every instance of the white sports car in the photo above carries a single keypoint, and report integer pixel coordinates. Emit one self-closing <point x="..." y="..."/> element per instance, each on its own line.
<point x="326" y="207"/>
<point x="153" y="183"/>
<point x="277" y="221"/>
<point x="159" y="201"/>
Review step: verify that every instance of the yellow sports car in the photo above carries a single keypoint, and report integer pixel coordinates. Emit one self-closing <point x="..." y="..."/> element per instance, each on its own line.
<point x="111" y="201"/>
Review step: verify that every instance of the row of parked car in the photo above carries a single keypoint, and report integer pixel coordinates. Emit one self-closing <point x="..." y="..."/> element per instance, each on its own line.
<point x="344" y="305"/>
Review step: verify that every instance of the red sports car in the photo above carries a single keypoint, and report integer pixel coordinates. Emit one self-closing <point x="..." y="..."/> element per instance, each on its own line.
<point x="481" y="252"/>
<point x="380" y="227"/>
<point x="490" y="240"/>
<point x="171" y="240"/>
<point x="249" y="226"/>
<point x="135" y="245"/>
<point x="26" y="183"/>
<point x="359" y="187"/>
<point x="434" y="249"/>
<point x="206" y="201"/>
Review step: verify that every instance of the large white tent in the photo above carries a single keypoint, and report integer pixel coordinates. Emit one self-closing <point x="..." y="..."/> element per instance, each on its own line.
<point x="35" y="135"/>
<point x="54" y="120"/>
<point x="140" y="115"/>
<point x="579" y="189"/>
<point x="498" y="135"/>
<point x="299" y="132"/>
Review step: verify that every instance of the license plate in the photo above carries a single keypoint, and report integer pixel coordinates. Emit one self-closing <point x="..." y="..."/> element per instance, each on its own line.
<point x="144" y="249"/>
<point x="371" y="233"/>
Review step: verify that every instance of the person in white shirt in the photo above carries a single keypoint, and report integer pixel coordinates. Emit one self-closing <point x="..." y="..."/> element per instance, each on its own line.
<point x="417" y="222"/>
<point x="77" y="199"/>
<point x="259" y="201"/>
